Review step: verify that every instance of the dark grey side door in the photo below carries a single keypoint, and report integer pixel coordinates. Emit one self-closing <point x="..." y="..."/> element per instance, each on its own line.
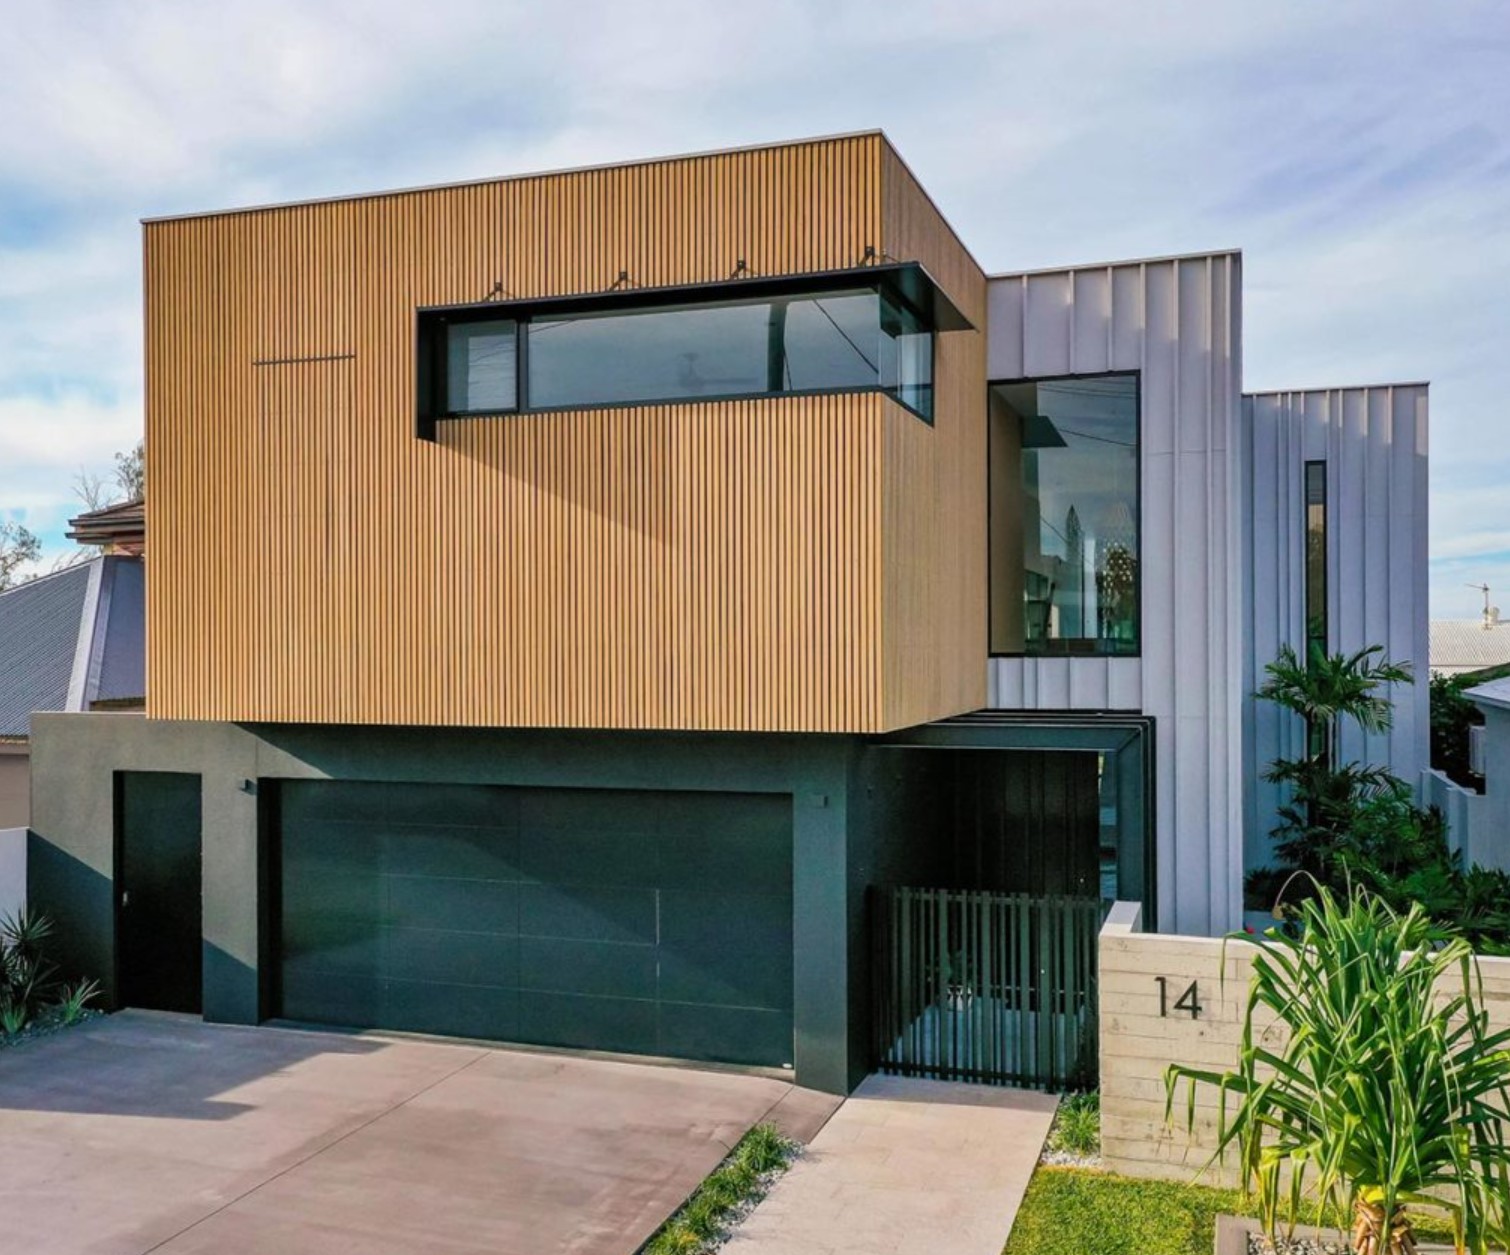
<point x="159" y="891"/>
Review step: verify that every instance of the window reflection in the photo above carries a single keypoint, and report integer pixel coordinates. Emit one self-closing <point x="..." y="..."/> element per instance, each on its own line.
<point x="482" y="366"/>
<point x="1064" y="516"/>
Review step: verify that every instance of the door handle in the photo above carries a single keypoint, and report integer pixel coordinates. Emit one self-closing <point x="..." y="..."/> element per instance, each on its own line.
<point x="125" y="897"/>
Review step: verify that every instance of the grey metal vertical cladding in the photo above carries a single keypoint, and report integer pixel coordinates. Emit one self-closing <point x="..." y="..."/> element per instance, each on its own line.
<point x="1176" y="321"/>
<point x="1373" y="440"/>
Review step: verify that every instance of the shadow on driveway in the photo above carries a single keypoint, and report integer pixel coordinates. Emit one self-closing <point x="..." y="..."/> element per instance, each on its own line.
<point x="141" y="1132"/>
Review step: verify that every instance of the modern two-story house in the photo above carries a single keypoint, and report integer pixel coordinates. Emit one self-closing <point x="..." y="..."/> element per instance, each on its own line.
<point x="571" y="594"/>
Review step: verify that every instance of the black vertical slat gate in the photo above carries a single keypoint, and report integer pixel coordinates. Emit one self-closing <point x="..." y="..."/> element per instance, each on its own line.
<point x="989" y="987"/>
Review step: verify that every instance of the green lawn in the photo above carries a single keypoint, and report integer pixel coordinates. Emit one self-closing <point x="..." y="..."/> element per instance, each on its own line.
<point x="1072" y="1211"/>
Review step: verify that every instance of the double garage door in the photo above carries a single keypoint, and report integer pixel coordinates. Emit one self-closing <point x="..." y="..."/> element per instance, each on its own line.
<point x="649" y="922"/>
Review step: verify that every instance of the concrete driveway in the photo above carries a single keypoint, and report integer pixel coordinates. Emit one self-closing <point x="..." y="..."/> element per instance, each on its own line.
<point x="142" y="1133"/>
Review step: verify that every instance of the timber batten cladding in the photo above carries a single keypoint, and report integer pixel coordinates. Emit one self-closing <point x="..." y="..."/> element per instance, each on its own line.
<point x="783" y="563"/>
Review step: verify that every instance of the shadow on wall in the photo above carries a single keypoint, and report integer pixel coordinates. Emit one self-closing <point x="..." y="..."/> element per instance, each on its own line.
<point x="167" y="1067"/>
<point x="81" y="903"/>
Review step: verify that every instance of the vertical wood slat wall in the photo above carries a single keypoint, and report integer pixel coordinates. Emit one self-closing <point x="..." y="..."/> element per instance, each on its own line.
<point x="707" y="566"/>
<point x="934" y="620"/>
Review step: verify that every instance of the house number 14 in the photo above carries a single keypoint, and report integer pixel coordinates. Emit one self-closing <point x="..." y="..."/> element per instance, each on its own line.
<point x="1187" y="1001"/>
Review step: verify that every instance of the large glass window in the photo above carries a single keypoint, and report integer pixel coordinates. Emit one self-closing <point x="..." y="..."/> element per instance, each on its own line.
<point x="812" y="343"/>
<point x="854" y="339"/>
<point x="1064" y="516"/>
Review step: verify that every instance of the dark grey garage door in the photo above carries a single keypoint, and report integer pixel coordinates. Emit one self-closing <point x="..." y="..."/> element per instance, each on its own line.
<point x="650" y="922"/>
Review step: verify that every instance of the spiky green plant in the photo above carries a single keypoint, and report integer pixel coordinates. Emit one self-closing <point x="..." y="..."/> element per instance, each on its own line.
<point x="26" y="976"/>
<point x="1388" y="1093"/>
<point x="14" y="1016"/>
<point x="1077" y="1125"/>
<point x="73" y="1000"/>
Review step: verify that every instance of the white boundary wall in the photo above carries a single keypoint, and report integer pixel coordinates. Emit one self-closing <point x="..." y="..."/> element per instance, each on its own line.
<point x="1138" y="1043"/>
<point x="12" y="870"/>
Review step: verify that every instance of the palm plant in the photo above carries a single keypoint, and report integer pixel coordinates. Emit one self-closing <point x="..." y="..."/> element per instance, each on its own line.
<point x="1327" y="796"/>
<point x="1388" y="1094"/>
<point x="1327" y="688"/>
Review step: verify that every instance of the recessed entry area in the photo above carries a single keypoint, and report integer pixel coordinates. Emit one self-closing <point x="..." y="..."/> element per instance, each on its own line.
<point x="649" y="922"/>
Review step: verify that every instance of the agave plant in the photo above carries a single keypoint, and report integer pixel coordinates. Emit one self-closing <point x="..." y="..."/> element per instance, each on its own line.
<point x="73" y="1000"/>
<point x="26" y="976"/>
<point x="1384" y="1091"/>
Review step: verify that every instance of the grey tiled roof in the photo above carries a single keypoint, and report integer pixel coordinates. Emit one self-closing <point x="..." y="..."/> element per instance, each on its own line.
<point x="1466" y="645"/>
<point x="39" y="636"/>
<point x="41" y="626"/>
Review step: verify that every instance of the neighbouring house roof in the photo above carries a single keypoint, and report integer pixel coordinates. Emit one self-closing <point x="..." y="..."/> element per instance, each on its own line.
<point x="1494" y="693"/>
<point x="120" y="528"/>
<point x="1459" y="645"/>
<point x="71" y="639"/>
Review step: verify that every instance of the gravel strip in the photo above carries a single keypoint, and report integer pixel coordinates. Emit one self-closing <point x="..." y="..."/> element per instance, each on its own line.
<point x="1066" y="1159"/>
<point x="43" y="1026"/>
<point x="1258" y="1244"/>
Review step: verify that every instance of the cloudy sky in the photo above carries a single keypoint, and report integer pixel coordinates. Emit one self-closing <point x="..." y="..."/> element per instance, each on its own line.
<point x="1359" y="154"/>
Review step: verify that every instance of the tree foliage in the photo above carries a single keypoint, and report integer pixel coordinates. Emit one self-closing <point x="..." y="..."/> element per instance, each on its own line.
<point x="18" y="548"/>
<point x="1347" y="824"/>
<point x="131" y="472"/>
<point x="1452" y="715"/>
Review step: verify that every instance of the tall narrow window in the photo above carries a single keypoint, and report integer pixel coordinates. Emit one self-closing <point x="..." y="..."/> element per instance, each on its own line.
<point x="1063" y="473"/>
<point x="1315" y="594"/>
<point x="1315" y="608"/>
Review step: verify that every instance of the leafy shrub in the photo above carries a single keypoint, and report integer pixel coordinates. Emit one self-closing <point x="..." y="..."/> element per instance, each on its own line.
<point x="1349" y="825"/>
<point x="1452" y="716"/>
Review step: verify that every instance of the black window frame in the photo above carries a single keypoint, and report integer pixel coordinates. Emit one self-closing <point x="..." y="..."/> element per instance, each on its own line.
<point x="905" y="284"/>
<point x="1315" y="587"/>
<point x="1314" y="493"/>
<point x="1136" y="375"/>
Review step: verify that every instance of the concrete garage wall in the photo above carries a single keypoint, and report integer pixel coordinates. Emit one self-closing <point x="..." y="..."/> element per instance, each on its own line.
<point x="1177" y="322"/>
<point x="1138" y="1043"/>
<point x="74" y="758"/>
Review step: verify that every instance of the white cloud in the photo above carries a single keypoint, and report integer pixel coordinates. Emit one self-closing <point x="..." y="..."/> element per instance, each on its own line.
<point x="1359" y="152"/>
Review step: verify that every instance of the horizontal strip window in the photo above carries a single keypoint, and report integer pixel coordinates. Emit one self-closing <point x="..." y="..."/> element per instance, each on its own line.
<point x="577" y="353"/>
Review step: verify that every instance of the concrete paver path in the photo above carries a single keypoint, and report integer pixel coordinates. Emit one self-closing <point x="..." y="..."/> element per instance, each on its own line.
<point x="141" y="1133"/>
<point x="906" y="1167"/>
